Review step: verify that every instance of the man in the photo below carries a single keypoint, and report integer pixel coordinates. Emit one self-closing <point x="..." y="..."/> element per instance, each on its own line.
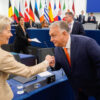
<point x="92" y="18"/>
<point x="75" y="27"/>
<point x="81" y="18"/>
<point x="79" y="56"/>
<point x="30" y="24"/>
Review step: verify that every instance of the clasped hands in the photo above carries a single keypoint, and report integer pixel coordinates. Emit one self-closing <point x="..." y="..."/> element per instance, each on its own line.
<point x="51" y="60"/>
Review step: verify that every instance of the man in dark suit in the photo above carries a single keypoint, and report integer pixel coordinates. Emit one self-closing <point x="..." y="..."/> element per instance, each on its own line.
<point x="81" y="18"/>
<point x="79" y="56"/>
<point x="30" y="24"/>
<point x="75" y="27"/>
<point x="91" y="18"/>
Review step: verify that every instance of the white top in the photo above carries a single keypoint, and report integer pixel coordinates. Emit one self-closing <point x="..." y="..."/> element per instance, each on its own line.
<point x="71" y="26"/>
<point x="68" y="45"/>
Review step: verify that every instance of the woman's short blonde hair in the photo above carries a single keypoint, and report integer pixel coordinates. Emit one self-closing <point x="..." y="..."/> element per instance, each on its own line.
<point x="4" y="22"/>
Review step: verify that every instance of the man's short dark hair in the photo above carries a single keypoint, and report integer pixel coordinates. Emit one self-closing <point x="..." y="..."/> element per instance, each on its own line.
<point x="69" y="13"/>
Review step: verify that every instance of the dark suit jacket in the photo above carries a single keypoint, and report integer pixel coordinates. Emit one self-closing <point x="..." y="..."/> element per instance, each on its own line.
<point x="85" y="62"/>
<point x="77" y="28"/>
<point x="92" y="21"/>
<point x="27" y="25"/>
<point x="21" y="40"/>
<point x="81" y="20"/>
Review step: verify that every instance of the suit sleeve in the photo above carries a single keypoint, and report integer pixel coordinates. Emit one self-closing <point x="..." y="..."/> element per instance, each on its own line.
<point x="94" y="19"/>
<point x="11" y="66"/>
<point x="81" y="29"/>
<point x="94" y="54"/>
<point x="88" y="19"/>
<point x="57" y="64"/>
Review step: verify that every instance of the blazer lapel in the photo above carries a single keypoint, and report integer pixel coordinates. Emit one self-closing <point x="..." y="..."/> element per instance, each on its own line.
<point x="73" y="50"/>
<point x="22" y="30"/>
<point x="73" y="28"/>
<point x="64" y="59"/>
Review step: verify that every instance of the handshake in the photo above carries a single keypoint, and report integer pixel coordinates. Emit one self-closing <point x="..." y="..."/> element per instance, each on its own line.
<point x="51" y="60"/>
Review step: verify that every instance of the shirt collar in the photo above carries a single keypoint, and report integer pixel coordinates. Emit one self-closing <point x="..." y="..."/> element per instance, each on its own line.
<point x="71" y="22"/>
<point x="68" y="43"/>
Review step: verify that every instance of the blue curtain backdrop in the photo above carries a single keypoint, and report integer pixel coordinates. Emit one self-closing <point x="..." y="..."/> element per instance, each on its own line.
<point x="93" y="6"/>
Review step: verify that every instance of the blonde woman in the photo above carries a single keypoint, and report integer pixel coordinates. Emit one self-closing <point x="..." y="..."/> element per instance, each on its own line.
<point x="8" y="65"/>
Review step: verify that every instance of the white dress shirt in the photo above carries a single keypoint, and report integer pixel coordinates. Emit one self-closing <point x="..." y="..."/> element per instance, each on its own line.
<point x="71" y="26"/>
<point x="68" y="45"/>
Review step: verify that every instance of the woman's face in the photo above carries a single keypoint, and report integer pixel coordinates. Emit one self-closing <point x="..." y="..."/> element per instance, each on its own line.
<point x="21" y="21"/>
<point x="5" y="35"/>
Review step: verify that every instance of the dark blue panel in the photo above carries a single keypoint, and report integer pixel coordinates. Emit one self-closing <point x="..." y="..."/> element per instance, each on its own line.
<point x="42" y="35"/>
<point x="95" y="34"/>
<point x="11" y="40"/>
<point x="93" y="5"/>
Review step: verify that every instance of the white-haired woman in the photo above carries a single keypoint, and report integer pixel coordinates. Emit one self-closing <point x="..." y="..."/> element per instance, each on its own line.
<point x="8" y="65"/>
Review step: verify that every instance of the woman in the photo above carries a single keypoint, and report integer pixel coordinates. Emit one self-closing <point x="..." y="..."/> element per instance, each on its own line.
<point x="44" y="24"/>
<point x="22" y="40"/>
<point x="8" y="65"/>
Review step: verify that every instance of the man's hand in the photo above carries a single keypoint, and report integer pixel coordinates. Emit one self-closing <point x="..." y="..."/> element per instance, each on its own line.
<point x="51" y="60"/>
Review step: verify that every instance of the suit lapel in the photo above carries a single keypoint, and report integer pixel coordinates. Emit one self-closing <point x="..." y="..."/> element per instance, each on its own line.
<point x="73" y="28"/>
<point x="64" y="59"/>
<point x="73" y="49"/>
<point x="22" y="30"/>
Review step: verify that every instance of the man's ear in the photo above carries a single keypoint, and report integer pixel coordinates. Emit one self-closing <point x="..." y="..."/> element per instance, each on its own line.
<point x="64" y="33"/>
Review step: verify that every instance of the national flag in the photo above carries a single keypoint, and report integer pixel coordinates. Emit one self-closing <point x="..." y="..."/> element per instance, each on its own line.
<point x="68" y="9"/>
<point x="55" y="13"/>
<point x="64" y="6"/>
<point x="26" y="16"/>
<point x="59" y="12"/>
<point x="64" y="10"/>
<point x="31" y="14"/>
<point x="50" y="13"/>
<point x="20" y="13"/>
<point x="46" y="12"/>
<point x="41" y="12"/>
<point x="73" y="8"/>
<point x="10" y="10"/>
<point x="36" y="12"/>
<point x="16" y="13"/>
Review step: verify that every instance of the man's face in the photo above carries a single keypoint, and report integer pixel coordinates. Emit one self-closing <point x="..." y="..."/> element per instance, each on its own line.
<point x="68" y="18"/>
<point x="56" y="36"/>
<point x="91" y="14"/>
<point x="82" y="12"/>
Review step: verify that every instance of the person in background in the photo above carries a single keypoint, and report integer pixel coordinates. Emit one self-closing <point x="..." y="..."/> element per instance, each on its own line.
<point x="81" y="18"/>
<point x="44" y="24"/>
<point x="30" y="24"/>
<point x="99" y="26"/>
<point x="92" y="18"/>
<point x="74" y="26"/>
<point x="79" y="56"/>
<point x="22" y="39"/>
<point x="8" y="65"/>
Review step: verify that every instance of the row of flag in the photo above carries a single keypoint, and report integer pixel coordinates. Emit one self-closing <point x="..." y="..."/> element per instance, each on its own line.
<point x="47" y="12"/>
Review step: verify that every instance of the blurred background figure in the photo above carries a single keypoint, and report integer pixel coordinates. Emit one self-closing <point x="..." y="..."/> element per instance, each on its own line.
<point x="92" y="18"/>
<point x="22" y="40"/>
<point x="45" y="24"/>
<point x="74" y="26"/>
<point x="82" y="17"/>
<point x="30" y="24"/>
